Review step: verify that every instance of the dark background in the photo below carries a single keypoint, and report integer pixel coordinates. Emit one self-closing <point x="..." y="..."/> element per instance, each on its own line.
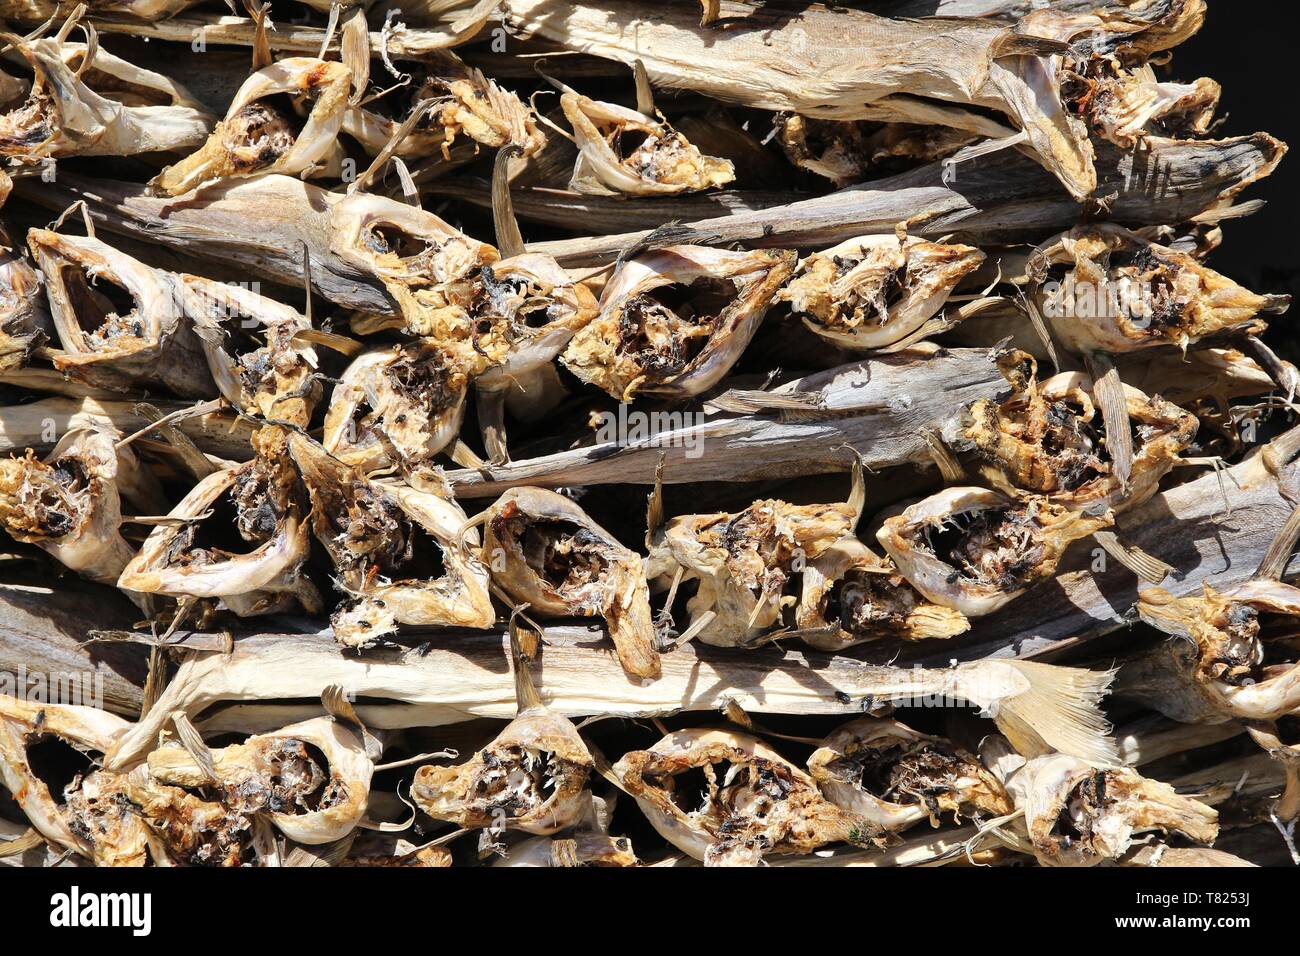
<point x="1254" y="55"/>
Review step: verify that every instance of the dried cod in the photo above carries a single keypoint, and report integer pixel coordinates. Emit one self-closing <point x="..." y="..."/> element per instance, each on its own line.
<point x="977" y="76"/>
<point x="875" y="291"/>
<point x="260" y="135"/>
<point x="1047" y="438"/>
<point x="754" y="801"/>
<point x="240" y="538"/>
<point x="84" y="101"/>
<point x="974" y="550"/>
<point x="672" y="322"/>
<point x="531" y="777"/>
<point x="546" y="553"/>
<point x="70" y="504"/>
<point x="121" y="323"/>
<point x="396" y="551"/>
<point x="894" y="777"/>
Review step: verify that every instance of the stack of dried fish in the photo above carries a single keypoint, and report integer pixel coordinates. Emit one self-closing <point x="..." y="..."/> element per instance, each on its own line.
<point x="773" y="504"/>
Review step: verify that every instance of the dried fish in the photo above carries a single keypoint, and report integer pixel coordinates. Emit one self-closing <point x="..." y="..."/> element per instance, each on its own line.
<point x="760" y="803"/>
<point x="239" y="537"/>
<point x="84" y="101"/>
<point x="396" y="550"/>
<point x="894" y="777"/>
<point x="120" y="322"/>
<point x="1005" y="198"/>
<point x="875" y="291"/>
<point x="312" y="779"/>
<point x="974" y="550"/>
<point x="70" y="504"/>
<point x="913" y="71"/>
<point x="1078" y="815"/>
<point x="625" y="151"/>
<point x="845" y="239"/>
<point x="672" y="322"/>
<point x="24" y="320"/>
<point x="744" y="563"/>
<point x="258" y="136"/>
<point x="1118" y="292"/>
<point x="531" y="777"/>
<point x="849" y="595"/>
<point x="1046" y="438"/>
<point x="465" y="104"/>
<point x="396" y="407"/>
<point x="546" y="552"/>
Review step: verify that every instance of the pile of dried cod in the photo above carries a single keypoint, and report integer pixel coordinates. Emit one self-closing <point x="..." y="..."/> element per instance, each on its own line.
<point x="862" y="465"/>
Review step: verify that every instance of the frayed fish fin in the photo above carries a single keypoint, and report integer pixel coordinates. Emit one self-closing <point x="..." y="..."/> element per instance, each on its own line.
<point x="1059" y="711"/>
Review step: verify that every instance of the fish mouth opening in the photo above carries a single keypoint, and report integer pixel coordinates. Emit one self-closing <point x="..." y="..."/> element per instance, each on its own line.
<point x="244" y="516"/>
<point x="665" y="329"/>
<point x="905" y="772"/>
<point x="388" y="238"/>
<point x="866" y="603"/>
<point x="569" y="558"/>
<point x="518" y="780"/>
<point x="427" y="380"/>
<point x="261" y="132"/>
<point x="1083" y="812"/>
<point x="56" y="763"/>
<point x="40" y="500"/>
<point x="695" y="789"/>
<point x="107" y="312"/>
<point x="290" y="776"/>
<point x="997" y="547"/>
